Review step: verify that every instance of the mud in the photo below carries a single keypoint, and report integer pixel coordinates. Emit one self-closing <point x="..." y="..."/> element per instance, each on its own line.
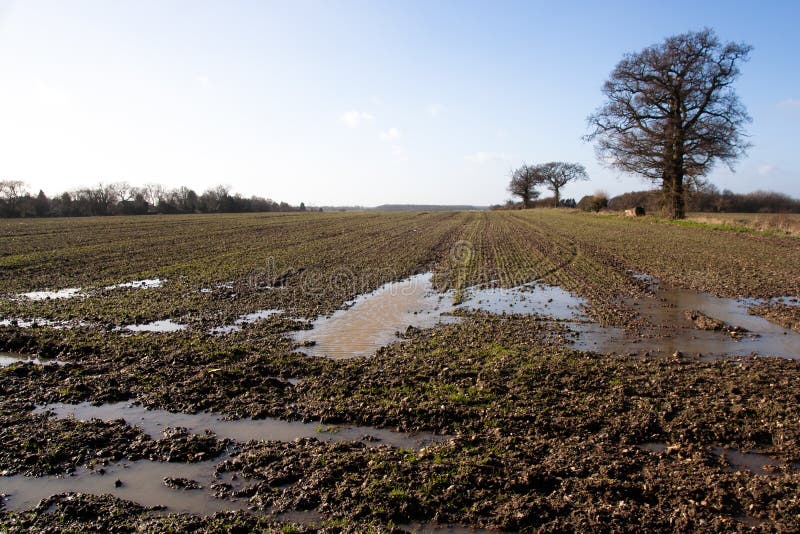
<point x="243" y="320"/>
<point x="142" y="482"/>
<point x="154" y="422"/>
<point x="376" y="319"/>
<point x="670" y="320"/>
<point x="432" y="528"/>
<point x="690" y="322"/>
<point x="11" y="358"/>
<point x="543" y="437"/>
<point x="752" y="462"/>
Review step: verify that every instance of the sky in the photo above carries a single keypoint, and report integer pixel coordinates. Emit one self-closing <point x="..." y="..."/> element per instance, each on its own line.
<point x="356" y="103"/>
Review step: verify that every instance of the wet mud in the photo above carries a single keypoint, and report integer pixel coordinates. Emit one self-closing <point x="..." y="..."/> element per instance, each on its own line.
<point x="669" y="320"/>
<point x="592" y="400"/>
<point x="143" y="482"/>
<point x="679" y="320"/>
<point x="155" y="422"/>
<point x="165" y="325"/>
<point x="12" y="358"/>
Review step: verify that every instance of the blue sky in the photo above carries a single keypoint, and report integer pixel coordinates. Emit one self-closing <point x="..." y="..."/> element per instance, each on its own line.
<point x="355" y="102"/>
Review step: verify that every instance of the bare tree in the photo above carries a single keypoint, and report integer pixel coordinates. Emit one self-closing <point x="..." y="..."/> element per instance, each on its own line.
<point x="153" y="193"/>
<point x="124" y="191"/>
<point x="11" y="191"/>
<point x="557" y="174"/>
<point x="672" y="112"/>
<point x="524" y="181"/>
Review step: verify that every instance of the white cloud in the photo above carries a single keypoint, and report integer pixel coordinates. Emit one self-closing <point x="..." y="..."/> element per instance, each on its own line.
<point x="767" y="169"/>
<point x="434" y="110"/>
<point x="485" y="157"/>
<point x="392" y="134"/>
<point x="399" y="152"/>
<point x="203" y="81"/>
<point x="354" y="118"/>
<point x="789" y="103"/>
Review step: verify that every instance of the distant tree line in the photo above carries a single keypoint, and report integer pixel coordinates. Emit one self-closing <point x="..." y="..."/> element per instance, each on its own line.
<point x="546" y="202"/>
<point x="123" y="199"/>
<point x="709" y="199"/>
<point x="704" y="197"/>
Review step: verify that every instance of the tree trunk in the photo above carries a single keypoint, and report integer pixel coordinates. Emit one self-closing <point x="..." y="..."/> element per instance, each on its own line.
<point x="675" y="166"/>
<point x="666" y="192"/>
<point x="678" y="202"/>
<point x="555" y="193"/>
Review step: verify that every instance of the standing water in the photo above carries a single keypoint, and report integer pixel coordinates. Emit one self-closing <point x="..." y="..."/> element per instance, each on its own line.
<point x="373" y="319"/>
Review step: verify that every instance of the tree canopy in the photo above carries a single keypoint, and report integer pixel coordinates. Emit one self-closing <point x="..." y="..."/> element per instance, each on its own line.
<point x="557" y="174"/>
<point x="672" y="113"/>
<point x="553" y="175"/>
<point x="524" y="181"/>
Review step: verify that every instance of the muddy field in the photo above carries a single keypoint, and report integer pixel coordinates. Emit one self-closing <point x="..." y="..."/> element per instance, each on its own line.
<point x="430" y="372"/>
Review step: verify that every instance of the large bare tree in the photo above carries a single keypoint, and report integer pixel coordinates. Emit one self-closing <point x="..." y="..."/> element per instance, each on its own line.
<point x="557" y="174"/>
<point x="524" y="181"/>
<point x="672" y="112"/>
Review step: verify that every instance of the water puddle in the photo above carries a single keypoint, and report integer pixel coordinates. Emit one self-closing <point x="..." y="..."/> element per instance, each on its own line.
<point x="747" y="461"/>
<point x="549" y="301"/>
<point x="148" y="283"/>
<point x="58" y="294"/>
<point x="38" y="321"/>
<point x="374" y="319"/>
<point x="165" y="325"/>
<point x="673" y="332"/>
<point x="654" y="446"/>
<point x="792" y="302"/>
<point x="650" y="282"/>
<point x="10" y="358"/>
<point x="154" y="422"/>
<point x="141" y="482"/>
<point x="756" y="463"/>
<point x="222" y="285"/>
<point x="244" y="319"/>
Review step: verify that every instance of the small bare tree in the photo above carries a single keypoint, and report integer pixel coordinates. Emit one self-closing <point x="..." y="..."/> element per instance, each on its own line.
<point x="11" y="191"/>
<point x="524" y="181"/>
<point x="557" y="174"/>
<point x="672" y="112"/>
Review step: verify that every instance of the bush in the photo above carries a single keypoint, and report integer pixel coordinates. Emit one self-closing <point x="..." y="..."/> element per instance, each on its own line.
<point x="594" y="202"/>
